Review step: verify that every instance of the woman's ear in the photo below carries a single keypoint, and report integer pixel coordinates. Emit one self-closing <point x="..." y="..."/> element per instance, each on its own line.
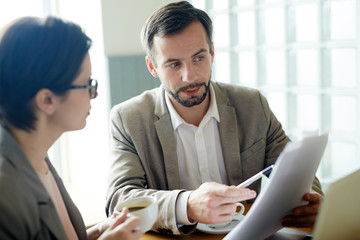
<point x="45" y="101"/>
<point x="151" y="67"/>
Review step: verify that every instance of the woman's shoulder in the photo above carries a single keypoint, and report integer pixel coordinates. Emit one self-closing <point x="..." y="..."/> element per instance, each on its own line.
<point x="16" y="191"/>
<point x="19" y="207"/>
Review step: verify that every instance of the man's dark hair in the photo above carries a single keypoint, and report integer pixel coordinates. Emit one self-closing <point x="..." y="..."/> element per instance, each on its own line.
<point x="171" y="19"/>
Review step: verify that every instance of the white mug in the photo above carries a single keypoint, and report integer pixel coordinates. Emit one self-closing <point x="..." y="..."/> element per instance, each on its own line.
<point x="238" y="215"/>
<point x="146" y="208"/>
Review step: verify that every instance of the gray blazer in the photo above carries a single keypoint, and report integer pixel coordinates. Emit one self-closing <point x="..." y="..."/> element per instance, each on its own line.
<point x="143" y="147"/>
<point x="26" y="210"/>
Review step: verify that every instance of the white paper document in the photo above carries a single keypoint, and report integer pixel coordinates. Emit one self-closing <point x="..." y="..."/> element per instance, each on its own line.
<point x="292" y="176"/>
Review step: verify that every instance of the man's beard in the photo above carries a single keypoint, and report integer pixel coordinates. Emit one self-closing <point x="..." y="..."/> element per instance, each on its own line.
<point x="193" y="100"/>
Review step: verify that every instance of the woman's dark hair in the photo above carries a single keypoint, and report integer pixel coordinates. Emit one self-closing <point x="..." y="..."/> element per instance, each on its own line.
<point x="37" y="53"/>
<point x="171" y="19"/>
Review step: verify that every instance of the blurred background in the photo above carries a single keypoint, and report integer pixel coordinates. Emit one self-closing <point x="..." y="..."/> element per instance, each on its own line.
<point x="303" y="55"/>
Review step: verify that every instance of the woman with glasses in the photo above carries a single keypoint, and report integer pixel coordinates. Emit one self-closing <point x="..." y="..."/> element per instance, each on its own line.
<point x="45" y="90"/>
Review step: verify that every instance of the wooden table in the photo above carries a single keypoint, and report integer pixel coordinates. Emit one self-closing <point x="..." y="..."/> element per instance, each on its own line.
<point x="198" y="234"/>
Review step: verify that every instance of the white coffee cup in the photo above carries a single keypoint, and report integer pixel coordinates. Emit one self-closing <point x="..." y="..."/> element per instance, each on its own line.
<point x="238" y="215"/>
<point x="146" y="208"/>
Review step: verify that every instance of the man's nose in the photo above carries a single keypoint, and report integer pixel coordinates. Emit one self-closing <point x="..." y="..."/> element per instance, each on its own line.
<point x="189" y="73"/>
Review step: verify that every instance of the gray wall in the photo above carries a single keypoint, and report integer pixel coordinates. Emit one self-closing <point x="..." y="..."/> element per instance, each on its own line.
<point x="122" y="22"/>
<point x="129" y="77"/>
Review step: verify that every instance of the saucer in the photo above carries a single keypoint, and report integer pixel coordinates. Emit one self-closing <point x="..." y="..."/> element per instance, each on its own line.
<point x="217" y="230"/>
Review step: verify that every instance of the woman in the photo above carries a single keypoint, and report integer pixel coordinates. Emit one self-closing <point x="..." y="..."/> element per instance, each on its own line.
<point x="45" y="90"/>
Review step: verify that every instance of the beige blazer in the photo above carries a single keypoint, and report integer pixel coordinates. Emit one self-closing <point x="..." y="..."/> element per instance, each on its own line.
<point x="143" y="147"/>
<point x="26" y="210"/>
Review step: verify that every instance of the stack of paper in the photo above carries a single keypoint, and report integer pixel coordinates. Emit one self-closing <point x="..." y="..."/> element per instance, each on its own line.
<point x="292" y="176"/>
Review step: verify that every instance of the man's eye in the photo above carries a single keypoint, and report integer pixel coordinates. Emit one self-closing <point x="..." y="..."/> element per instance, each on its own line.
<point x="175" y="64"/>
<point x="198" y="59"/>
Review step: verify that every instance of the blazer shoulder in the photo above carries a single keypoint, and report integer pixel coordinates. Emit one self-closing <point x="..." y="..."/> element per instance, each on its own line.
<point x="237" y="94"/>
<point x="17" y="201"/>
<point x="12" y="184"/>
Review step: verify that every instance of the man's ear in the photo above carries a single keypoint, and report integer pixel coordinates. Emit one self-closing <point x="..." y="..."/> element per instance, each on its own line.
<point x="151" y="67"/>
<point x="212" y="52"/>
<point x="45" y="101"/>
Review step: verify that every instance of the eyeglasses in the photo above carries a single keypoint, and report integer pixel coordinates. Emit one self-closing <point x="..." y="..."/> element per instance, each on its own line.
<point x="92" y="86"/>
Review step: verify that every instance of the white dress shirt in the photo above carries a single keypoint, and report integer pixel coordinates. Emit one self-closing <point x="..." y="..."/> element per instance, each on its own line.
<point x="199" y="153"/>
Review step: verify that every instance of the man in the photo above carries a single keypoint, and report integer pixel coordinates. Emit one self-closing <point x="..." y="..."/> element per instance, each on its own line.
<point x="189" y="141"/>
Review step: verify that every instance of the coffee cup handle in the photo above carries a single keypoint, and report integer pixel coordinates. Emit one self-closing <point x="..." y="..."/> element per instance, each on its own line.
<point x="238" y="214"/>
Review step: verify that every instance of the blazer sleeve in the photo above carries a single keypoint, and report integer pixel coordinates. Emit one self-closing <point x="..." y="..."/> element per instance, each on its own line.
<point x="129" y="174"/>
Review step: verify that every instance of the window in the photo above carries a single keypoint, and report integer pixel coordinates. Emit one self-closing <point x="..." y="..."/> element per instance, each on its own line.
<point x="303" y="55"/>
<point x="10" y="10"/>
<point x="84" y="154"/>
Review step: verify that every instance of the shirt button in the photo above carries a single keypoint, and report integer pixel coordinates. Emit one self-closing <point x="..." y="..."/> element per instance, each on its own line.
<point x="204" y="170"/>
<point x="198" y="135"/>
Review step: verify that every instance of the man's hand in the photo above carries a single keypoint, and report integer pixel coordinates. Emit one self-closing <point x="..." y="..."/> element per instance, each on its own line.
<point x="304" y="216"/>
<point x="215" y="203"/>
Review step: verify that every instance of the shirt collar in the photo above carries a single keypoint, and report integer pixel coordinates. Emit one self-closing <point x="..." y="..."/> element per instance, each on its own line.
<point x="177" y="120"/>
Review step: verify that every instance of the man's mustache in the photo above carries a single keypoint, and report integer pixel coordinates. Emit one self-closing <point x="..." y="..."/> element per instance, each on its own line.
<point x="192" y="85"/>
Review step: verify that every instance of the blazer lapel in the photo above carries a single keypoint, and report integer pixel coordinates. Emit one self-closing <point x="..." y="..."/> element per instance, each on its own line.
<point x="163" y="127"/>
<point x="229" y="137"/>
<point x="74" y="213"/>
<point x="47" y="209"/>
<point x="51" y="219"/>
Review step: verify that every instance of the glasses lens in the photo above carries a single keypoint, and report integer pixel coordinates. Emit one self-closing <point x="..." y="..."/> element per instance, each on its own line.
<point x="93" y="88"/>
